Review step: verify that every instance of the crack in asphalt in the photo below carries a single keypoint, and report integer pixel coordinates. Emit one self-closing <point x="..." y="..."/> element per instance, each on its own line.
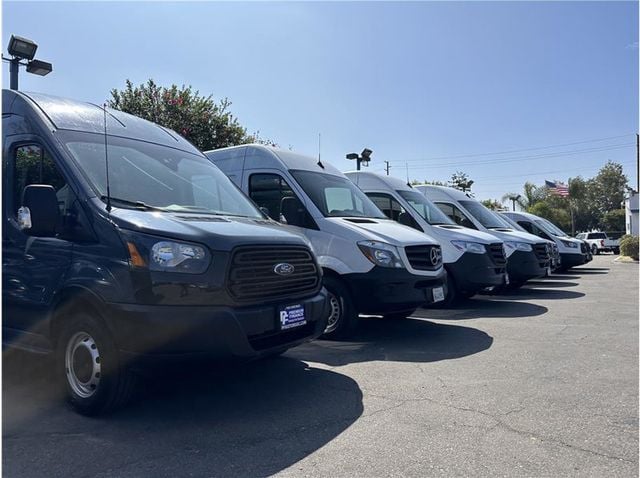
<point x="498" y="423"/>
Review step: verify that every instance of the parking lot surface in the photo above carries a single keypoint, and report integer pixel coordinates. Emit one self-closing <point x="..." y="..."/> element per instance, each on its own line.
<point x="540" y="382"/>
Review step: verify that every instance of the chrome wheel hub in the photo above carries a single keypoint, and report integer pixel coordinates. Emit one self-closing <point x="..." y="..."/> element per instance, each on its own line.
<point x="82" y="364"/>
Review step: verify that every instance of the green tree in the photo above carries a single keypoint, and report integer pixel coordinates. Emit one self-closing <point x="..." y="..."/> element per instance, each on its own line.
<point x="461" y="181"/>
<point x="531" y="194"/>
<point x="608" y="188"/>
<point x="200" y="119"/>
<point x="613" y="221"/>
<point x="492" y="204"/>
<point x="561" y="217"/>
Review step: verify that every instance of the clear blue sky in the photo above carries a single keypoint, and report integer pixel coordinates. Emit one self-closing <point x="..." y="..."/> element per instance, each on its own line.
<point x="412" y="81"/>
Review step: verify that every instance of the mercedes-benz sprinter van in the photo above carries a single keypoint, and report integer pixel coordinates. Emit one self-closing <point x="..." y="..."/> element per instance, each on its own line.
<point x="129" y="247"/>
<point x="554" y="254"/>
<point x="527" y="255"/>
<point x="474" y="260"/>
<point x="572" y="251"/>
<point x="372" y="265"/>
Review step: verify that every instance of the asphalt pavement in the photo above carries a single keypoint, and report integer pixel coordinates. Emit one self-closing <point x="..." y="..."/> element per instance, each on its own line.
<point x="540" y="382"/>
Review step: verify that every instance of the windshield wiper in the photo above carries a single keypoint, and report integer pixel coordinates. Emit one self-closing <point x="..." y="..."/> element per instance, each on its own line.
<point x="135" y="204"/>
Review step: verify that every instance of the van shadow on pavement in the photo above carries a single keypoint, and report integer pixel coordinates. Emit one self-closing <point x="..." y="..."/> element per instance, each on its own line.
<point x="254" y="420"/>
<point x="477" y="308"/>
<point x="527" y="293"/>
<point x="402" y="340"/>
<point x="551" y="283"/>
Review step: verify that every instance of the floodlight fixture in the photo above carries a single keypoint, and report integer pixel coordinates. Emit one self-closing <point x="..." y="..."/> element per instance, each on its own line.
<point x="39" y="67"/>
<point x="23" y="48"/>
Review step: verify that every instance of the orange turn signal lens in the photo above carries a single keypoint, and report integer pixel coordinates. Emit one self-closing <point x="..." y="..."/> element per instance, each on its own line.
<point x="135" y="259"/>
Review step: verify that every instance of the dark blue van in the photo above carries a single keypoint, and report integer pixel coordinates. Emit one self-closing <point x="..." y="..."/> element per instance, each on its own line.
<point x="129" y="246"/>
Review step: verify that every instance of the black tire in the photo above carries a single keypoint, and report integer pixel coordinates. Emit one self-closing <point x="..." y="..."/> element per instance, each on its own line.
<point x="616" y="251"/>
<point x="343" y="317"/>
<point x="399" y="315"/>
<point x="96" y="382"/>
<point x="514" y="285"/>
<point x="594" y="250"/>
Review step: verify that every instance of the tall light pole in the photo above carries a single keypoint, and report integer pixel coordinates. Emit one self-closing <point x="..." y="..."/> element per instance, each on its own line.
<point x="363" y="157"/>
<point x="22" y="51"/>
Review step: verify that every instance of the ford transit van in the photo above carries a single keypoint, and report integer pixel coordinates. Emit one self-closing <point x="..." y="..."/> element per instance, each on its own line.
<point x="124" y="248"/>
<point x="372" y="265"/>
<point x="527" y="255"/>
<point x="474" y="260"/>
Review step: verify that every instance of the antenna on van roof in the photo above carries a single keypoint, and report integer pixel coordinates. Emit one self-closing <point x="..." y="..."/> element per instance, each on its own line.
<point x="319" y="162"/>
<point x="106" y="157"/>
<point x="408" y="182"/>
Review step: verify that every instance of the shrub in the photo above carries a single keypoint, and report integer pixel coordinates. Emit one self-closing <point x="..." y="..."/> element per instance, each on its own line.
<point x="629" y="246"/>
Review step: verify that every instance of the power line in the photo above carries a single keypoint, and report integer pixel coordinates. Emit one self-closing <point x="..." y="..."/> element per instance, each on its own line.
<point x="527" y="158"/>
<point x="525" y="149"/>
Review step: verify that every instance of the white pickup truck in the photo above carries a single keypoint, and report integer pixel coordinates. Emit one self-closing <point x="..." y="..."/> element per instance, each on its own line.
<point x="599" y="242"/>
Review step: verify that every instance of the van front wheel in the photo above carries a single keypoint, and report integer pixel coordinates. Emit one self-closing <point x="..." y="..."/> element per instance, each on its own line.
<point x="343" y="316"/>
<point x="95" y="382"/>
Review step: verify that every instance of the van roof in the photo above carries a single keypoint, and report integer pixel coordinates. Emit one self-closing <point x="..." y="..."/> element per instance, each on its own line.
<point x="369" y="180"/>
<point x="66" y="114"/>
<point x="521" y="214"/>
<point x="442" y="192"/>
<point x="261" y="156"/>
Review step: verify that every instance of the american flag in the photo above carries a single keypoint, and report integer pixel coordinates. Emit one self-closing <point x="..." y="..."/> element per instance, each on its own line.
<point x="557" y="188"/>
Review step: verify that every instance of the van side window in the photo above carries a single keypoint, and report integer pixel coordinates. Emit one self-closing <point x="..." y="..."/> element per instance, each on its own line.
<point x="393" y="209"/>
<point x="272" y="192"/>
<point x="527" y="226"/>
<point x="33" y="165"/>
<point x="387" y="204"/>
<point x="456" y="215"/>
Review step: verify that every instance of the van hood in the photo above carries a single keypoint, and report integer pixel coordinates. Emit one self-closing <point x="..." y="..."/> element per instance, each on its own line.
<point x="459" y="233"/>
<point x="514" y="236"/>
<point x="383" y="230"/>
<point x="220" y="233"/>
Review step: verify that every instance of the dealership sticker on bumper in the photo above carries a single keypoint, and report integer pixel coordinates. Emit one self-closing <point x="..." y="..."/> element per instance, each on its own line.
<point x="438" y="294"/>
<point x="292" y="316"/>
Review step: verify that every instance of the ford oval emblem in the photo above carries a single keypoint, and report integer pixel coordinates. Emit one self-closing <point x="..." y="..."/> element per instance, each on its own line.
<point x="283" y="269"/>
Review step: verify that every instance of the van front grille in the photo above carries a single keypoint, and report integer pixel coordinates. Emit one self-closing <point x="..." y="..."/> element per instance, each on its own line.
<point x="496" y="251"/>
<point x="253" y="277"/>
<point x="542" y="253"/>
<point x="422" y="258"/>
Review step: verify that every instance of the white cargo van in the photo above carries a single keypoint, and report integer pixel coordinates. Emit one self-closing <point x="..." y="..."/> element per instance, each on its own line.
<point x="572" y="251"/>
<point x="372" y="265"/>
<point x="527" y="255"/>
<point x="474" y="260"/>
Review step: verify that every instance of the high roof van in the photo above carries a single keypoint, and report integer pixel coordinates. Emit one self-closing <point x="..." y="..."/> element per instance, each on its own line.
<point x="130" y="247"/>
<point x="474" y="260"/>
<point x="372" y="265"/>
<point x="527" y="255"/>
<point x="572" y="251"/>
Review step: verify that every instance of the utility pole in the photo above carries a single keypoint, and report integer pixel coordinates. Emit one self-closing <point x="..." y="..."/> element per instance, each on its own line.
<point x="637" y="163"/>
<point x="387" y="167"/>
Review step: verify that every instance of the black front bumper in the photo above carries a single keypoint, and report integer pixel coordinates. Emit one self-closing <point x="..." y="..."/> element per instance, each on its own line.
<point x="384" y="290"/>
<point x="523" y="266"/>
<point x="217" y="332"/>
<point x="474" y="272"/>
<point x="571" y="260"/>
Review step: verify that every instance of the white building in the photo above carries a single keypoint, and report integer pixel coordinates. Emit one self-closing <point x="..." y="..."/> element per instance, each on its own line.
<point x="631" y="213"/>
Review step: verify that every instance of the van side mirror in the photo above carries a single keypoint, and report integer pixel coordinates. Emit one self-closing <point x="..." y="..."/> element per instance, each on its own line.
<point x="39" y="213"/>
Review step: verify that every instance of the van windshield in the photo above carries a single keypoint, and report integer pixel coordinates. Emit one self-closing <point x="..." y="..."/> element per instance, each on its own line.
<point x="336" y="196"/>
<point x="428" y="210"/>
<point x="148" y="174"/>
<point x="550" y="227"/>
<point x="484" y="216"/>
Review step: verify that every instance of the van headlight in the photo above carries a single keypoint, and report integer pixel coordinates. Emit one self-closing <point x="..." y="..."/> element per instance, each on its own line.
<point x="511" y="247"/>
<point x="158" y="254"/>
<point x="381" y="254"/>
<point x="472" y="247"/>
<point x="571" y="245"/>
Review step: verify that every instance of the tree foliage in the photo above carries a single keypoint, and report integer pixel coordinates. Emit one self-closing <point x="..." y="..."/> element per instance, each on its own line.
<point x="492" y="204"/>
<point x="200" y="119"/>
<point x="461" y="181"/>
<point x="594" y="203"/>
